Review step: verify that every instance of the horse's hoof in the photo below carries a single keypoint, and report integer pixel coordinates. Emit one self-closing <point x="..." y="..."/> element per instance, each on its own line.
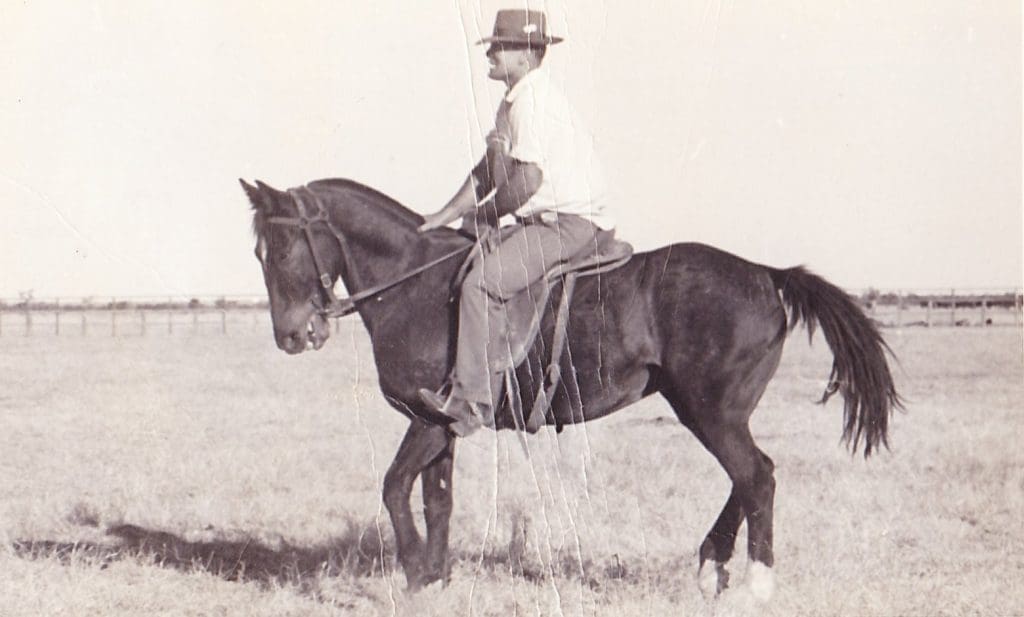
<point x="712" y="578"/>
<point x="760" y="581"/>
<point x="426" y="580"/>
<point x="435" y="585"/>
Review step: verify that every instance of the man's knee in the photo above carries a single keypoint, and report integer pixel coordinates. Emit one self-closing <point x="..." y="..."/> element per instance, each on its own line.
<point x="477" y="288"/>
<point x="503" y="282"/>
<point x="485" y="278"/>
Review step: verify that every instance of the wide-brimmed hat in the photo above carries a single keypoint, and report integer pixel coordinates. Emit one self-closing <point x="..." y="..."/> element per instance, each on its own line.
<point x="521" y="27"/>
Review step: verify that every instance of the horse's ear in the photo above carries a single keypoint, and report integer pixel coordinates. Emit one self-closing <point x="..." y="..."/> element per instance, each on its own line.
<point x="266" y="188"/>
<point x="261" y="199"/>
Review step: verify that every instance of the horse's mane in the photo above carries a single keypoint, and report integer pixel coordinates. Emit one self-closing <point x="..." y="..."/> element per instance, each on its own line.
<point x="396" y="213"/>
<point x="372" y="197"/>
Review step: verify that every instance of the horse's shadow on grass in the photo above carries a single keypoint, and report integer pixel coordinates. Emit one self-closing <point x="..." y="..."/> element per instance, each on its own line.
<point x="357" y="552"/>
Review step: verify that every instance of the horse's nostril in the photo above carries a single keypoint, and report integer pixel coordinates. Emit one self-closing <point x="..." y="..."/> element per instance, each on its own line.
<point x="290" y="342"/>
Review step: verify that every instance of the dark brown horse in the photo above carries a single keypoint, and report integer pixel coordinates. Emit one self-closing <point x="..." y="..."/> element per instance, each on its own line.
<point x="703" y="328"/>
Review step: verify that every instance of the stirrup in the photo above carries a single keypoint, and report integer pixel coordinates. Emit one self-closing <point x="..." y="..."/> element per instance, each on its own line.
<point x="467" y="416"/>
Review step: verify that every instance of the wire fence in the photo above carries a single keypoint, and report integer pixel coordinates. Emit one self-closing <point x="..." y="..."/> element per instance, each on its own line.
<point x="226" y="315"/>
<point x="132" y="322"/>
<point x="133" y="316"/>
<point x="945" y="308"/>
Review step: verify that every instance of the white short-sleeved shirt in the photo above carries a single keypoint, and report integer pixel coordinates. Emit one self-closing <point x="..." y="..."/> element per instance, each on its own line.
<point x="536" y="125"/>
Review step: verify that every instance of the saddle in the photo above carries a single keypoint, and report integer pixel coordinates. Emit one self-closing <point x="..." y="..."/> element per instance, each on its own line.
<point x="525" y="312"/>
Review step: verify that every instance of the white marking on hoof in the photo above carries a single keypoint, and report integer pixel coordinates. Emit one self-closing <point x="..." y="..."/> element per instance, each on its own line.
<point x="707" y="579"/>
<point x="760" y="581"/>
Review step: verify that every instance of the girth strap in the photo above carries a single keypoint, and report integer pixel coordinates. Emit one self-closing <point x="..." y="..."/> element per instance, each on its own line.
<point x="553" y="376"/>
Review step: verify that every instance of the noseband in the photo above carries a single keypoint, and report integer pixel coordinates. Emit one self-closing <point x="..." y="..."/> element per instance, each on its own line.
<point x="333" y="306"/>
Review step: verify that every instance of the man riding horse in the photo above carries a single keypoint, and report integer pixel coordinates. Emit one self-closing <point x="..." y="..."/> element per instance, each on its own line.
<point x="700" y="327"/>
<point x="540" y="167"/>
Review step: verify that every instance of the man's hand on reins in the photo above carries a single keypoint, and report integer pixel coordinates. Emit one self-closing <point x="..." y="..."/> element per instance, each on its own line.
<point x="462" y="203"/>
<point x="435" y="220"/>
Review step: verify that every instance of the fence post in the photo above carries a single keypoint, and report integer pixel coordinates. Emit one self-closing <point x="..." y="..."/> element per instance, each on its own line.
<point x="952" y="307"/>
<point x="195" y="319"/>
<point x="113" y="317"/>
<point x="85" y="327"/>
<point x="223" y="321"/>
<point x="170" y="315"/>
<point x="928" y="313"/>
<point x="899" y="309"/>
<point x="142" y="322"/>
<point x="984" y="307"/>
<point x="56" y="317"/>
<point x="28" y="321"/>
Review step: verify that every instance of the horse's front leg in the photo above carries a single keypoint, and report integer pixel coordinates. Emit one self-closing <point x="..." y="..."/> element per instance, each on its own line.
<point x="421" y="445"/>
<point x="437" y="502"/>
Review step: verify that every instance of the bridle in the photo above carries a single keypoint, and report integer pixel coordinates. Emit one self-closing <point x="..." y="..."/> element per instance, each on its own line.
<point x="332" y="305"/>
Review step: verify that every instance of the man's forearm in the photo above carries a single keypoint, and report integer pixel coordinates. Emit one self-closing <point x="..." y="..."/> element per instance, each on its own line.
<point x="481" y="173"/>
<point x="462" y="203"/>
<point x="476" y="187"/>
<point x="516" y="184"/>
<point x="464" y="200"/>
<point x="522" y="180"/>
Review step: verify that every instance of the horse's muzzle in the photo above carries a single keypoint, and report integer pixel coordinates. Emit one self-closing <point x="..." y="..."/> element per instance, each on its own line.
<point x="313" y="337"/>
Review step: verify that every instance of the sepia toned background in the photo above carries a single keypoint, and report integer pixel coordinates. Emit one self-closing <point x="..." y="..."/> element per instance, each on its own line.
<point x="160" y="456"/>
<point x="878" y="143"/>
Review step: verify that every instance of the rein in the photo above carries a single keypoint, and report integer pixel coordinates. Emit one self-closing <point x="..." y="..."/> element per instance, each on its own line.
<point x="334" y="306"/>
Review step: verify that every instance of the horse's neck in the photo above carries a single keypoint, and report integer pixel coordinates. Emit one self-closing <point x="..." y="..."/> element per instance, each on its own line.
<point x="374" y="242"/>
<point x="379" y="243"/>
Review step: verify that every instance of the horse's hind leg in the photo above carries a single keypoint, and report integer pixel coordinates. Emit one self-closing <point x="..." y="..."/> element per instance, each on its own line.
<point x="752" y="497"/>
<point x="721" y="425"/>
<point x="718" y="546"/>
<point x="753" y="493"/>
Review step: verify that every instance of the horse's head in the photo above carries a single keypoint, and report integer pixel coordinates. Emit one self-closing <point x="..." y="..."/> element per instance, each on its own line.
<point x="284" y="250"/>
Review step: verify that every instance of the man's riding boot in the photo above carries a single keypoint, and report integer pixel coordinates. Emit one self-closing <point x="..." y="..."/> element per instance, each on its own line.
<point x="467" y="416"/>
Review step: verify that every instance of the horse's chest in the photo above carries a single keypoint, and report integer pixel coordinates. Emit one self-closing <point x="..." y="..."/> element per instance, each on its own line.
<point x="410" y="352"/>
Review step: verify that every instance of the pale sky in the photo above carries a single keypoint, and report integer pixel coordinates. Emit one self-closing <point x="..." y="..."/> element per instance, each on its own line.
<point x="879" y="143"/>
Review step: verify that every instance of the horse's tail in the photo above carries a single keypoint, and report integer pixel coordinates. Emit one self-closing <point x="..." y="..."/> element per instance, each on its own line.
<point x="859" y="368"/>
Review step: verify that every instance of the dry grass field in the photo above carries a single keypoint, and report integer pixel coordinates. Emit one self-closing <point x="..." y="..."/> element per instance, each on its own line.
<point x="204" y="474"/>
